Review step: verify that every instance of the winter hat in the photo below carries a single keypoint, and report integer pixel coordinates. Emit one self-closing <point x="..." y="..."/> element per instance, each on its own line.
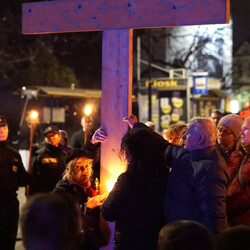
<point x="233" y="122"/>
<point x="63" y="134"/>
<point x="75" y="153"/>
<point x="51" y="129"/>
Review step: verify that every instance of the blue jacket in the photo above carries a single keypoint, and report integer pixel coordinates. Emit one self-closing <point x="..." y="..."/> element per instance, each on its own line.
<point x="197" y="187"/>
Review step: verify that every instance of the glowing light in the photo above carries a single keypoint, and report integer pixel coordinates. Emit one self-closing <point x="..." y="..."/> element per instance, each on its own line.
<point x="234" y="106"/>
<point x="110" y="185"/>
<point x="33" y="116"/>
<point x="87" y="110"/>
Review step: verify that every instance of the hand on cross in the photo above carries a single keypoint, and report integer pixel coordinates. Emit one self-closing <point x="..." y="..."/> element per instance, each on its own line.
<point x="130" y="120"/>
<point x="100" y="135"/>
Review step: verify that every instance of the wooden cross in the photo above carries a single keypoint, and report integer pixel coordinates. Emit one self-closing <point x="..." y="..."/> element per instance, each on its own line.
<point x="117" y="19"/>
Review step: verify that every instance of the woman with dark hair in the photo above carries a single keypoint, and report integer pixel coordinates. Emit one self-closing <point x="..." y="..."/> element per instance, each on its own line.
<point x="137" y="199"/>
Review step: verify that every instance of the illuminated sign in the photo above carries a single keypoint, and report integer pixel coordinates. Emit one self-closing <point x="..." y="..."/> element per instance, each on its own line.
<point x="200" y="80"/>
<point x="164" y="84"/>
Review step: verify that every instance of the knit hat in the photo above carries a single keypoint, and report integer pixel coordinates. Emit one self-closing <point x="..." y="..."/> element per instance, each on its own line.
<point x="63" y="134"/>
<point x="51" y="129"/>
<point x="233" y="122"/>
<point x="75" y="153"/>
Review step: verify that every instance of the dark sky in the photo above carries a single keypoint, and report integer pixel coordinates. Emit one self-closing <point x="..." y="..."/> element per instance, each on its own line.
<point x="240" y="11"/>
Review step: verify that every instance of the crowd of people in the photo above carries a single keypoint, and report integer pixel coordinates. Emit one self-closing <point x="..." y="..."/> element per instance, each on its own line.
<point x="188" y="188"/>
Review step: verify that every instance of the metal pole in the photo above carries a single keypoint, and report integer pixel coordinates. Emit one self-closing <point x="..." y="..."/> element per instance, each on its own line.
<point x="32" y="133"/>
<point x="51" y="109"/>
<point x="138" y="59"/>
<point x="149" y="78"/>
<point x="24" y="111"/>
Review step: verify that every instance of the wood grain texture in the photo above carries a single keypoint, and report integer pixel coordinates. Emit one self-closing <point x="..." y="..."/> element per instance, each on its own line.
<point x="91" y="15"/>
<point x="116" y="97"/>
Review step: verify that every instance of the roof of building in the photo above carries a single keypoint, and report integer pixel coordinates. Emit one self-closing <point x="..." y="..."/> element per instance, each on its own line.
<point x="35" y="91"/>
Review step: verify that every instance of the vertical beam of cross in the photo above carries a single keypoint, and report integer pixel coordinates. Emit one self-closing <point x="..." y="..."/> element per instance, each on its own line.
<point x="116" y="100"/>
<point x="116" y="97"/>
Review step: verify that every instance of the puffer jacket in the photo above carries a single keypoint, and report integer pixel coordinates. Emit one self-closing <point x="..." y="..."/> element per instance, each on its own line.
<point x="197" y="187"/>
<point x="238" y="196"/>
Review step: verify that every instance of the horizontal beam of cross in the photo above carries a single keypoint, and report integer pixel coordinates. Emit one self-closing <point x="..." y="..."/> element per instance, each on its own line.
<point x="92" y="15"/>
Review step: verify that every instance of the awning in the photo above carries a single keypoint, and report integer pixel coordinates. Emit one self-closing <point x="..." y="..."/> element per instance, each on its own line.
<point x="46" y="91"/>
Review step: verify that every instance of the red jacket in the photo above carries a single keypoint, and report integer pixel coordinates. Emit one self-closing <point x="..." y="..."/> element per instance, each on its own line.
<point x="238" y="196"/>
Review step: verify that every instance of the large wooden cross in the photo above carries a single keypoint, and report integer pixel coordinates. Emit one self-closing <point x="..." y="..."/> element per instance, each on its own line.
<point x="117" y="19"/>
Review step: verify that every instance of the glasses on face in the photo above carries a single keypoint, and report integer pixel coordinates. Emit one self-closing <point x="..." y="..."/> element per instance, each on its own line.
<point x="224" y="131"/>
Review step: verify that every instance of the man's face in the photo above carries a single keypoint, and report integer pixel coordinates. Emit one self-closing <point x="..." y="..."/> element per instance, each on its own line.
<point x="53" y="139"/>
<point x="83" y="170"/>
<point x="191" y="138"/>
<point x="4" y="132"/>
<point x="225" y="136"/>
<point x="87" y="123"/>
<point x="215" y="118"/>
<point x="245" y="133"/>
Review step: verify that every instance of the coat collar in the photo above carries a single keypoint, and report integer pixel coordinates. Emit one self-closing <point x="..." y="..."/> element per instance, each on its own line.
<point x="201" y="154"/>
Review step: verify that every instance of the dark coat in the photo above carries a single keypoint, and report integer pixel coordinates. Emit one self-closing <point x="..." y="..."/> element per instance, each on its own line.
<point x="77" y="139"/>
<point x="197" y="186"/>
<point x="47" y="169"/>
<point x="238" y="197"/>
<point x="136" y="204"/>
<point x="93" y="238"/>
<point x="12" y="171"/>
<point x="13" y="175"/>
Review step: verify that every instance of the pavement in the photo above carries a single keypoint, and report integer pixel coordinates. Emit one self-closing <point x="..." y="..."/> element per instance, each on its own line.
<point x="22" y="200"/>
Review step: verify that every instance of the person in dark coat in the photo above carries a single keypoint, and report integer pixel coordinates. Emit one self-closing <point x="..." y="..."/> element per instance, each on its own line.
<point x="13" y="175"/>
<point x="197" y="184"/>
<point x="48" y="166"/>
<point x="76" y="183"/>
<point x="78" y="140"/>
<point x="136" y="203"/>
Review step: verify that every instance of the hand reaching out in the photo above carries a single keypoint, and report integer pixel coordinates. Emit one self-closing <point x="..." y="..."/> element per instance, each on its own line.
<point x="130" y="120"/>
<point x="96" y="201"/>
<point x="100" y="135"/>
